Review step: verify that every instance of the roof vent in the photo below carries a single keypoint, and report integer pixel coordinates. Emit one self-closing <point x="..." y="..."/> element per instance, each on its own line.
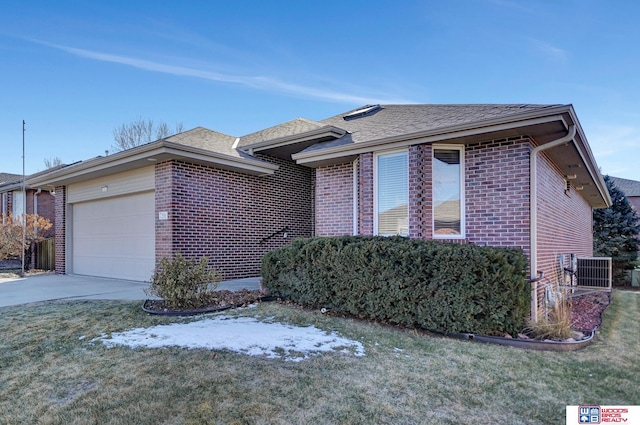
<point x="361" y="112"/>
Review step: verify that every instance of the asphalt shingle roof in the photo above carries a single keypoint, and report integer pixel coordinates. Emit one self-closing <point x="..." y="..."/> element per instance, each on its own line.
<point x="203" y="138"/>
<point x="6" y="178"/>
<point x="398" y="120"/>
<point x="628" y="187"/>
<point x="289" y="128"/>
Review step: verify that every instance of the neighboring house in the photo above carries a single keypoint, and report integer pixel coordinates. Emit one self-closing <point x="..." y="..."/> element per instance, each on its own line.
<point x="502" y="175"/>
<point x="6" y="195"/>
<point x="31" y="200"/>
<point x="631" y="189"/>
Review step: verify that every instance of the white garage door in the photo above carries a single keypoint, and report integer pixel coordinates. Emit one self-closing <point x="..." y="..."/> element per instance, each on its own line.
<point x="115" y="237"/>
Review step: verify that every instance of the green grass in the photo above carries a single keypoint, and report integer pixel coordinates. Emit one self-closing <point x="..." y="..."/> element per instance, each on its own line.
<point x="52" y="373"/>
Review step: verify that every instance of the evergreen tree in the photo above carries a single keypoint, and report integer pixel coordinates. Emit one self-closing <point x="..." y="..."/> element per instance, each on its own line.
<point x="616" y="232"/>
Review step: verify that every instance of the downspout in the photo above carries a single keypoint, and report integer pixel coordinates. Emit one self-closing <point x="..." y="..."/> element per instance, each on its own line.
<point x="533" y="213"/>
<point x="355" y="197"/>
<point x="35" y="201"/>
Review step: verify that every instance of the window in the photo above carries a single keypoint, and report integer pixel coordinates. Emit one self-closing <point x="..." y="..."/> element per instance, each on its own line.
<point x="391" y="193"/>
<point x="448" y="199"/>
<point x="18" y="203"/>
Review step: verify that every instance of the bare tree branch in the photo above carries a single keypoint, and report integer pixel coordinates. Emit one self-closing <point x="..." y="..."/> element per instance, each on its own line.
<point x="52" y="162"/>
<point x="140" y="132"/>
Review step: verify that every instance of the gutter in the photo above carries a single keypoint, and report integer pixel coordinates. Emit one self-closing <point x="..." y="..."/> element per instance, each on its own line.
<point x="533" y="212"/>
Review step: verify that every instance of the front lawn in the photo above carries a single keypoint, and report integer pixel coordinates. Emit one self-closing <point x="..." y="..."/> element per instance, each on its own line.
<point x="52" y="371"/>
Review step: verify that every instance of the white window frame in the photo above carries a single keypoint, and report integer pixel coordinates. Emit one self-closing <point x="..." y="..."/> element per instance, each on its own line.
<point x="376" y="155"/>
<point x="463" y="226"/>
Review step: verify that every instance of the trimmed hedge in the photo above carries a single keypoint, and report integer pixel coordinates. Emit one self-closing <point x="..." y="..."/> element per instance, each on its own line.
<point x="435" y="285"/>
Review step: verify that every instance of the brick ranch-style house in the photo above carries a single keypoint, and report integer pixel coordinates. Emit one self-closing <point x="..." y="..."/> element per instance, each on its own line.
<point x="501" y="175"/>
<point x="32" y="200"/>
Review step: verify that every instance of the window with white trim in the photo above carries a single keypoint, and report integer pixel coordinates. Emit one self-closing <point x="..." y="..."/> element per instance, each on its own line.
<point x="18" y="200"/>
<point x="391" y="193"/>
<point x="448" y="192"/>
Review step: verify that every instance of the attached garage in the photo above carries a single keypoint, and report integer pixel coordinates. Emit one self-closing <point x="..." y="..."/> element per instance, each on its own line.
<point x="113" y="221"/>
<point x="113" y="226"/>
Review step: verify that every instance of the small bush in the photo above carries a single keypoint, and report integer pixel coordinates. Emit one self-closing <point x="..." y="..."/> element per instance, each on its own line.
<point x="435" y="285"/>
<point x="553" y="323"/>
<point x="182" y="283"/>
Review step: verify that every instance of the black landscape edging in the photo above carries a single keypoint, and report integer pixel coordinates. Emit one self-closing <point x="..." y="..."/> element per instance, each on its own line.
<point x="528" y="344"/>
<point x="201" y="310"/>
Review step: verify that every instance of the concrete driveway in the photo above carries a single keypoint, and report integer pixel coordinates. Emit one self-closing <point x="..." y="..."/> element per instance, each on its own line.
<point x="46" y="287"/>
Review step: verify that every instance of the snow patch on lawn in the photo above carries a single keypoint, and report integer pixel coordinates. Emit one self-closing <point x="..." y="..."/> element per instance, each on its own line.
<point x="244" y="335"/>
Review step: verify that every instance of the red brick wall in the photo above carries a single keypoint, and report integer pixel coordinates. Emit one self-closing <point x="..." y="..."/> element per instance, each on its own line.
<point x="224" y="215"/>
<point x="60" y="230"/>
<point x="496" y="200"/>
<point x="420" y="194"/>
<point x="365" y="194"/>
<point x="46" y="206"/>
<point x="29" y="200"/>
<point x="334" y="200"/>
<point x="497" y="193"/>
<point x="635" y="202"/>
<point x="46" y="209"/>
<point x="9" y="202"/>
<point x="565" y="220"/>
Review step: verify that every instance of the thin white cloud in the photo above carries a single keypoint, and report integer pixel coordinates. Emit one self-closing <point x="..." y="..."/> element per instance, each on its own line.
<point x="257" y="82"/>
<point x="550" y="51"/>
<point x="617" y="149"/>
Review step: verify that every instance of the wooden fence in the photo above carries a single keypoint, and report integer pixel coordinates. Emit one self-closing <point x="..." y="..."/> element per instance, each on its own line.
<point x="45" y="253"/>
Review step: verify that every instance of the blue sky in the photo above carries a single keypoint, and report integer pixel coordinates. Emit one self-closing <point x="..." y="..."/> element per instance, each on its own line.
<point x="75" y="70"/>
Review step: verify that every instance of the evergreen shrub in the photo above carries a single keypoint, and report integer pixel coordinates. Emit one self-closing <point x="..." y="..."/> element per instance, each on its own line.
<point x="439" y="286"/>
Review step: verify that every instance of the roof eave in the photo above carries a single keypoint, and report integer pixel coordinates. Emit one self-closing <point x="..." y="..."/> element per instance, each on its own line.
<point x="589" y="159"/>
<point x="149" y="154"/>
<point x="327" y="131"/>
<point x="554" y="119"/>
<point x="450" y="133"/>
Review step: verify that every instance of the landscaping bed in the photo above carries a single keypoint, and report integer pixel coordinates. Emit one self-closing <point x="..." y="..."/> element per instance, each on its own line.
<point x="214" y="301"/>
<point x="586" y="311"/>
